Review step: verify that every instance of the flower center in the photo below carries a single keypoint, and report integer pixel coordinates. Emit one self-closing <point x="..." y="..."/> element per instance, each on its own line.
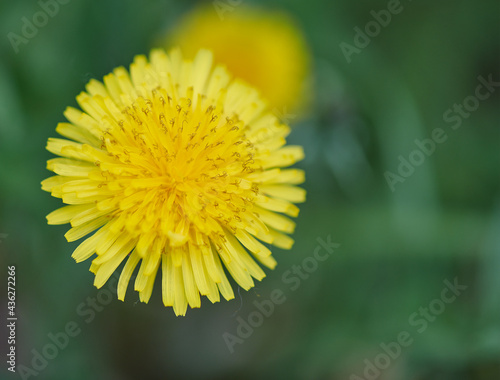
<point x="185" y="163"/>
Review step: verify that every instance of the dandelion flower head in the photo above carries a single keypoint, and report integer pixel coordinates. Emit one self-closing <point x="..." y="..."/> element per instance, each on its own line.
<point x="264" y="48"/>
<point x="179" y="169"/>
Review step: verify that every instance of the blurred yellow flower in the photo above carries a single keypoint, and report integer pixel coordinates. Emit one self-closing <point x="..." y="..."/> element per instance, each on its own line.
<point x="176" y="167"/>
<point x="264" y="48"/>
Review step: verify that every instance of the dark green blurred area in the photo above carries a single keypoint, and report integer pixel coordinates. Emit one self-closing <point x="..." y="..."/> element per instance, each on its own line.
<point x="396" y="248"/>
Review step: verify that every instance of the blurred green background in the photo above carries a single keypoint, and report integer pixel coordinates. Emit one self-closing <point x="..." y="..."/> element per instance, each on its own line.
<point x="396" y="248"/>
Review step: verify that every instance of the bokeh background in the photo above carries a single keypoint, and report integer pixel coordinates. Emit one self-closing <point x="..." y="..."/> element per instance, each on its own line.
<point x="396" y="247"/>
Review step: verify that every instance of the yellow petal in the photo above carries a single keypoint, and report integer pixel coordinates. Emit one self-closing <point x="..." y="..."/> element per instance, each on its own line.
<point x="127" y="271"/>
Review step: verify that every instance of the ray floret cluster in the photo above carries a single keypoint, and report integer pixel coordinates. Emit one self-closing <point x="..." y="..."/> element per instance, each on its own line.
<point x="175" y="166"/>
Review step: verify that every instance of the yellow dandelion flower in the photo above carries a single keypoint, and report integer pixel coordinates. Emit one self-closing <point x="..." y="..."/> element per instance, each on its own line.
<point x="178" y="167"/>
<point x="264" y="48"/>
